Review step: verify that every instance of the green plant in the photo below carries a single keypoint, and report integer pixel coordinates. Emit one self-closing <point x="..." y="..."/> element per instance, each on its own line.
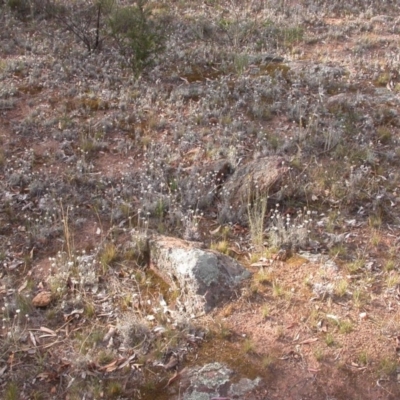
<point x="2" y="159"/>
<point x="265" y="311"/>
<point x="248" y="346"/>
<point x="358" y="297"/>
<point x="160" y="209"/>
<point x="362" y="358"/>
<point x="384" y="134"/>
<point x="104" y="357"/>
<point x="223" y="331"/>
<point x="277" y="289"/>
<point x="89" y="309"/>
<point x="68" y="237"/>
<point x="108" y="255"/>
<point x="375" y="221"/>
<point x="337" y="250"/>
<point x="280" y="332"/>
<point x="387" y="366"/>
<point x="89" y="341"/>
<point x="226" y="230"/>
<point x="376" y="237"/>
<point x="21" y="7"/>
<point x="356" y="265"/>
<point x="268" y="361"/>
<point x="240" y="62"/>
<point x="341" y="287"/>
<point x="345" y="326"/>
<point x="287" y="231"/>
<point x="114" y="389"/>
<point x="392" y="280"/>
<point x="88" y="145"/>
<point x="262" y="277"/>
<point x="329" y="340"/>
<point x="139" y="36"/>
<point x="23" y="304"/>
<point x="256" y="214"/>
<point x="221" y="246"/>
<point x="389" y="265"/>
<point x="11" y="392"/>
<point x="319" y="354"/>
<point x="292" y="35"/>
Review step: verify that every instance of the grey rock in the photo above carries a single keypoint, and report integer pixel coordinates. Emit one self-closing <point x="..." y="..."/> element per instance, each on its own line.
<point x="191" y="91"/>
<point x="204" y="278"/>
<point x="265" y="59"/>
<point x="215" y="380"/>
<point x="260" y="177"/>
<point x="317" y="73"/>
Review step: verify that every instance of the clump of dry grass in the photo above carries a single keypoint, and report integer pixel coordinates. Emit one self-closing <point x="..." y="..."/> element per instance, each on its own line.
<point x="288" y="231"/>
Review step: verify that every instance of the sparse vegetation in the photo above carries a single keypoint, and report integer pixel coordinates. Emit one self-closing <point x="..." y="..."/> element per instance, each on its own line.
<point x="256" y="216"/>
<point x="345" y="326"/>
<point x="121" y="121"/>
<point x="139" y="37"/>
<point x="248" y="346"/>
<point x="222" y="246"/>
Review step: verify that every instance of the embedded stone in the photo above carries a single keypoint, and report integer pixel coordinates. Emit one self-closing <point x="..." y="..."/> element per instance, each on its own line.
<point x="204" y="278"/>
<point x="42" y="299"/>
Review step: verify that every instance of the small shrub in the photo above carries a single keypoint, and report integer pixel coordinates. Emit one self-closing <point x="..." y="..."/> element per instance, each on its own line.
<point x="387" y="366"/>
<point x="268" y="361"/>
<point x="114" y="389"/>
<point x="104" y="357"/>
<point x="363" y="358"/>
<point x="319" y="354"/>
<point x="292" y="35"/>
<point x="262" y="277"/>
<point x="345" y="326"/>
<point x="137" y="34"/>
<point x="329" y="340"/>
<point x="221" y="246"/>
<point x="384" y="134"/>
<point x="84" y="20"/>
<point x="341" y="287"/>
<point x="356" y="266"/>
<point x="265" y="311"/>
<point x="11" y="392"/>
<point x="2" y="158"/>
<point x="286" y="231"/>
<point x="277" y="289"/>
<point x="248" y="346"/>
<point x="108" y="255"/>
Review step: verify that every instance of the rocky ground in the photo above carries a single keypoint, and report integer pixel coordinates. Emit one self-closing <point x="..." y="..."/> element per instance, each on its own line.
<point x="266" y="131"/>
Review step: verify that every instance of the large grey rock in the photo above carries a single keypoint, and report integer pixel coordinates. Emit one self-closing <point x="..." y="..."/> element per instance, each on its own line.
<point x="204" y="278"/>
<point x="262" y="177"/>
<point x="262" y="174"/>
<point x="215" y="381"/>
